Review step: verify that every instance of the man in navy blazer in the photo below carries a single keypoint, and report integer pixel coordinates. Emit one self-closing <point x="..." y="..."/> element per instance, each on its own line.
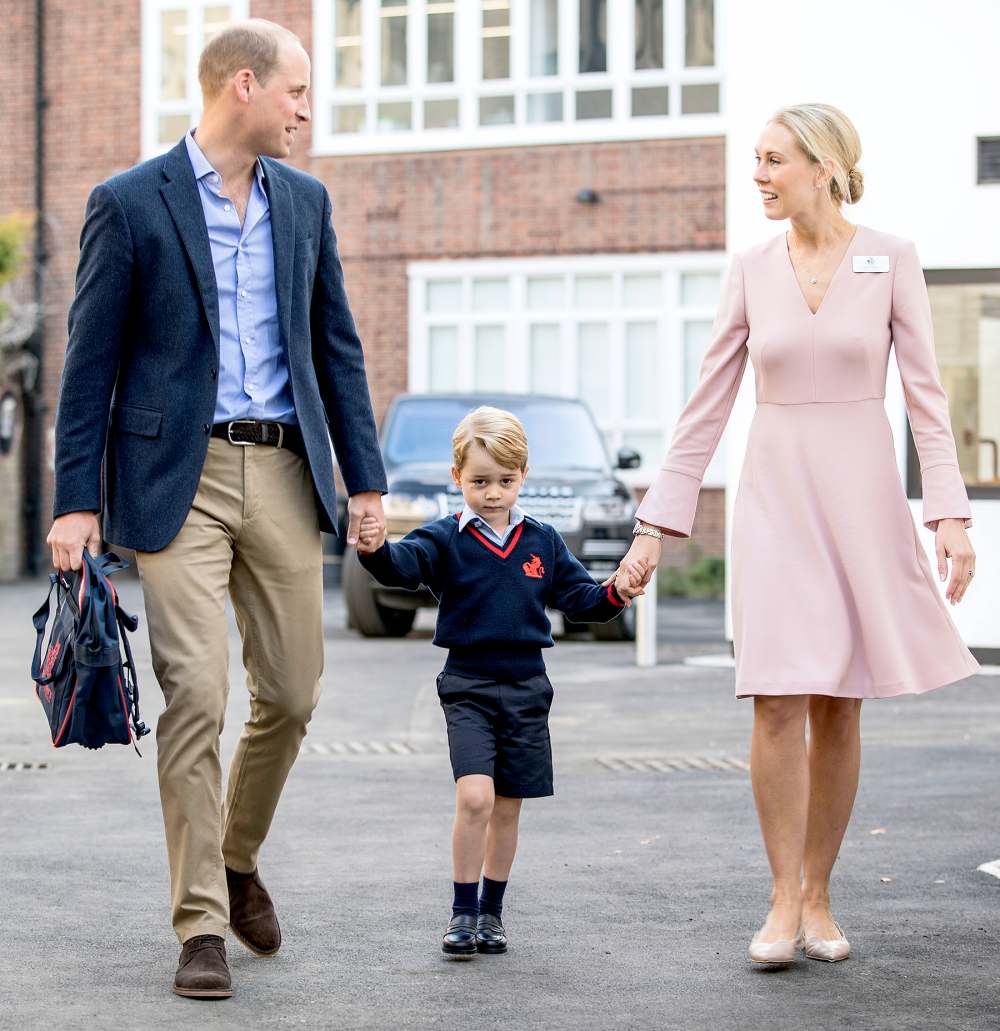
<point x="212" y="360"/>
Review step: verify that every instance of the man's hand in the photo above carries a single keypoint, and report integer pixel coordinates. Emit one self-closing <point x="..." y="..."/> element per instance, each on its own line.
<point x="70" y="534"/>
<point x="366" y="506"/>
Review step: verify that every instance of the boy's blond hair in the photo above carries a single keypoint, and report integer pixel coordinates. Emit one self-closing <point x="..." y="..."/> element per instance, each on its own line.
<point x="499" y="432"/>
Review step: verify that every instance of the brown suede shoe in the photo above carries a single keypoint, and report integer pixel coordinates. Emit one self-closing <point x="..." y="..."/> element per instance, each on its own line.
<point x="202" y="971"/>
<point x="251" y="914"/>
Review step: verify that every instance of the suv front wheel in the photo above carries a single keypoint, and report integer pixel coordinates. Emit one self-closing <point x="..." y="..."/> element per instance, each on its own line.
<point x="364" y="612"/>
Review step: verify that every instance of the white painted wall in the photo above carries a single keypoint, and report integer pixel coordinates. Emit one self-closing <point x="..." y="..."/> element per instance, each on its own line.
<point x="921" y="80"/>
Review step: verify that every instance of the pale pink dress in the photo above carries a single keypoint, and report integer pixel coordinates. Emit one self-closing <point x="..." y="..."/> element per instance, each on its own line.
<point x="832" y="591"/>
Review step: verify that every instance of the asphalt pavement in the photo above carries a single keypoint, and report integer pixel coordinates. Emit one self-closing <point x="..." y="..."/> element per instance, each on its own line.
<point x="633" y="897"/>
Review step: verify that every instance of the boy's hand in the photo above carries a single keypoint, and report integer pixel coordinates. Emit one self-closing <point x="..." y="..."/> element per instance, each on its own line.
<point x="370" y="538"/>
<point x="628" y="580"/>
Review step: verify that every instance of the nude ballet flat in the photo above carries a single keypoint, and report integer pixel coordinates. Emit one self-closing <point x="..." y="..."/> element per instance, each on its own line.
<point x="779" y="953"/>
<point x="830" y="950"/>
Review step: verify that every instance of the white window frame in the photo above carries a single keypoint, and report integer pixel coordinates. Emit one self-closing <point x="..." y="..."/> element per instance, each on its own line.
<point x="670" y="319"/>
<point x="151" y="52"/>
<point x="469" y="87"/>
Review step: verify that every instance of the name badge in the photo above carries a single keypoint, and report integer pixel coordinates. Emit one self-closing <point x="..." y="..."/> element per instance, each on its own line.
<point x="871" y="262"/>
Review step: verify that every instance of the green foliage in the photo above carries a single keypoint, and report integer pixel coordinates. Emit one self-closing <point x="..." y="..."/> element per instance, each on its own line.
<point x="703" y="577"/>
<point x="13" y="233"/>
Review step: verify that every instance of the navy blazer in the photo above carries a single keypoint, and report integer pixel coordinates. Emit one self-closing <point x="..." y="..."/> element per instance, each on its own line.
<point x="141" y="375"/>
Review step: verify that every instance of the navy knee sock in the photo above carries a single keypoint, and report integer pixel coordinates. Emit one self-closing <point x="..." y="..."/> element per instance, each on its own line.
<point x="491" y="900"/>
<point x="465" y="898"/>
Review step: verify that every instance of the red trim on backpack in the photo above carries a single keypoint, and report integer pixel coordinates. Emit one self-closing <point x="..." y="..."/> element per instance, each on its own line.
<point x="83" y="585"/>
<point x="69" y="709"/>
<point x="496" y="551"/>
<point x="613" y="598"/>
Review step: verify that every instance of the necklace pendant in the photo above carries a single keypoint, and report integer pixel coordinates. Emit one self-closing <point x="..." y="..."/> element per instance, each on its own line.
<point x="812" y="280"/>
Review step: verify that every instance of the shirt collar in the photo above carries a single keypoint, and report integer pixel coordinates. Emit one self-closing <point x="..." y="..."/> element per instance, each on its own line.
<point x="469" y="516"/>
<point x="203" y="167"/>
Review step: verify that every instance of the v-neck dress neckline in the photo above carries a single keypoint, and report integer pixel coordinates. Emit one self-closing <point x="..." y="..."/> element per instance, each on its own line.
<point x="833" y="279"/>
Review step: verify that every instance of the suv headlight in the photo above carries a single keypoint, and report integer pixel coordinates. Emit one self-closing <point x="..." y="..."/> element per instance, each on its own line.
<point x="608" y="510"/>
<point x="414" y="509"/>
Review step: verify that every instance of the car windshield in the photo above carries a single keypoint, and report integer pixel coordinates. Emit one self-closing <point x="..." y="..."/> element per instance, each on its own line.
<point x="561" y="434"/>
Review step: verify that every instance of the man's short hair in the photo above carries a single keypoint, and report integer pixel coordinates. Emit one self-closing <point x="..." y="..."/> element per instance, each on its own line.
<point x="498" y="431"/>
<point x="254" y="44"/>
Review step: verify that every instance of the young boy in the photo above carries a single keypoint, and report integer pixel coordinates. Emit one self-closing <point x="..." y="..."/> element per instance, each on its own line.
<point x="494" y="570"/>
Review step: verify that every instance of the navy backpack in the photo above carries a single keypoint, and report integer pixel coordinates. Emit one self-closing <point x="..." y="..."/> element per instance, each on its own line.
<point x="89" y="694"/>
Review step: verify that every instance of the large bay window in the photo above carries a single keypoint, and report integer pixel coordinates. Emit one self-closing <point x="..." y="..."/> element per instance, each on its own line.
<point x="438" y="74"/>
<point x="625" y="333"/>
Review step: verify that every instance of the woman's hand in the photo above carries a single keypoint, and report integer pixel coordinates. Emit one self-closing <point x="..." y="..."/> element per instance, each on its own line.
<point x="645" y="552"/>
<point x="951" y="541"/>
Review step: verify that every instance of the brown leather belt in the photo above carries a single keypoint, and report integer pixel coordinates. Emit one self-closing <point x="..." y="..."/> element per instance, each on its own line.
<point x="249" y="432"/>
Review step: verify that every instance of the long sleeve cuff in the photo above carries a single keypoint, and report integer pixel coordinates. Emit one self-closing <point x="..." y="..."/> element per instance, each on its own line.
<point x="671" y="503"/>
<point x="944" y="495"/>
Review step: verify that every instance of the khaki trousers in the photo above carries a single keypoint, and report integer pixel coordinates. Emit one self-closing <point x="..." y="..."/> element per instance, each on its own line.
<point x="252" y="532"/>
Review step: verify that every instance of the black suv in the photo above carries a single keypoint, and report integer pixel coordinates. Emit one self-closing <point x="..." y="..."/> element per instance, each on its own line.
<point x="570" y="485"/>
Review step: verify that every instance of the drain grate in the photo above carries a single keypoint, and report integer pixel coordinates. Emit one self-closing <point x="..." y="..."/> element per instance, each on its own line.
<point x="673" y="764"/>
<point x="23" y="766"/>
<point x="348" y="748"/>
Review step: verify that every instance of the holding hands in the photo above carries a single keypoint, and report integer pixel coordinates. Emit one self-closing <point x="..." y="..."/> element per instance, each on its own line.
<point x="366" y="521"/>
<point x="629" y="580"/>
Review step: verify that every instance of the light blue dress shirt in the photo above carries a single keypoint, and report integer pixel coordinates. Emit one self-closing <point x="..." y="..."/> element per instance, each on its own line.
<point x="253" y="365"/>
<point x="469" y="516"/>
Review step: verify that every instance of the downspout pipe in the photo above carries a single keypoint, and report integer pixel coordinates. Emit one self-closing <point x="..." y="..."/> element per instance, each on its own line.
<point x="35" y="409"/>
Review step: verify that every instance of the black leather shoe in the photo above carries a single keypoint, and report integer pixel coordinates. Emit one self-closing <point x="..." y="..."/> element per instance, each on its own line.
<point x="202" y="972"/>
<point x="460" y="938"/>
<point x="490" y="935"/>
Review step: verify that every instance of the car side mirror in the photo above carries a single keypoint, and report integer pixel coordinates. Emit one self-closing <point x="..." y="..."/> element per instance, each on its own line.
<point x="628" y="458"/>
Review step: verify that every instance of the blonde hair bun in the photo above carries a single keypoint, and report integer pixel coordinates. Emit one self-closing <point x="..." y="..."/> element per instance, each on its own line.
<point x="824" y="133"/>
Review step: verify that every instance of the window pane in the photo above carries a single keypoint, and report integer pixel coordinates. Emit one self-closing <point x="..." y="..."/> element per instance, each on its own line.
<point x="173" y="55"/>
<point x="967" y="344"/>
<point x="697" y="337"/>
<point x="214" y="19"/>
<point x="543" y="54"/>
<point x="496" y="39"/>
<point x="444" y="295"/>
<point x="442" y="358"/>
<point x="593" y="292"/>
<point x="545" y="107"/>
<point x="496" y="110"/>
<point x="641" y="376"/>
<point x="650" y="100"/>
<point x="700" y="99"/>
<point x="173" y="127"/>
<point x="440" y="114"/>
<point x="593" y="36"/>
<point x="546" y="292"/>
<point x="593" y="104"/>
<point x="490" y="294"/>
<point x="648" y="34"/>
<point x="546" y="364"/>
<point x="394" y="42"/>
<point x="490" y="373"/>
<point x="394" y="116"/>
<point x="700" y="288"/>
<point x="593" y="380"/>
<point x="348" y="118"/>
<point x="347" y="44"/>
<point x="643" y="290"/>
<point x="699" y="33"/>
<point x="440" y="42"/>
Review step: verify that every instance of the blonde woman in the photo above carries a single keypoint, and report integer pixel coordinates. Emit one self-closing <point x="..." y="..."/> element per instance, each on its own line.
<point x="833" y="599"/>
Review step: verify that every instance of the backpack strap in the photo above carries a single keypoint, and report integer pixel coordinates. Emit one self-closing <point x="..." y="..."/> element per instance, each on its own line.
<point x="39" y="621"/>
<point x="127" y="622"/>
<point x="109" y="563"/>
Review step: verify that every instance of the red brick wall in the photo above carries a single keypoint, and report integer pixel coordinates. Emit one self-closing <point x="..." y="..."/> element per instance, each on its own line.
<point x="389" y="210"/>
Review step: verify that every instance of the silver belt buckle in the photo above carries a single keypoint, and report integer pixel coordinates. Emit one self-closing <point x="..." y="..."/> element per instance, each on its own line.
<point x="239" y="443"/>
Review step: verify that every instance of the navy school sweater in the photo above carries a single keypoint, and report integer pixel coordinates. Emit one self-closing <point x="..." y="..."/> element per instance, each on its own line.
<point x="492" y="600"/>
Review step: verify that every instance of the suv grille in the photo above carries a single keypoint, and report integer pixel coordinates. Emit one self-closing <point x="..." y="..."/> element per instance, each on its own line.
<point x="565" y="514"/>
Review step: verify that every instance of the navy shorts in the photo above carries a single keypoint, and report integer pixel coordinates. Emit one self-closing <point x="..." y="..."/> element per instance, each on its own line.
<point x="500" y="730"/>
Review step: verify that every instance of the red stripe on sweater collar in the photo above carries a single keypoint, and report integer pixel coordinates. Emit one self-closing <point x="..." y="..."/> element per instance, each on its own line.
<point x="496" y="551"/>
